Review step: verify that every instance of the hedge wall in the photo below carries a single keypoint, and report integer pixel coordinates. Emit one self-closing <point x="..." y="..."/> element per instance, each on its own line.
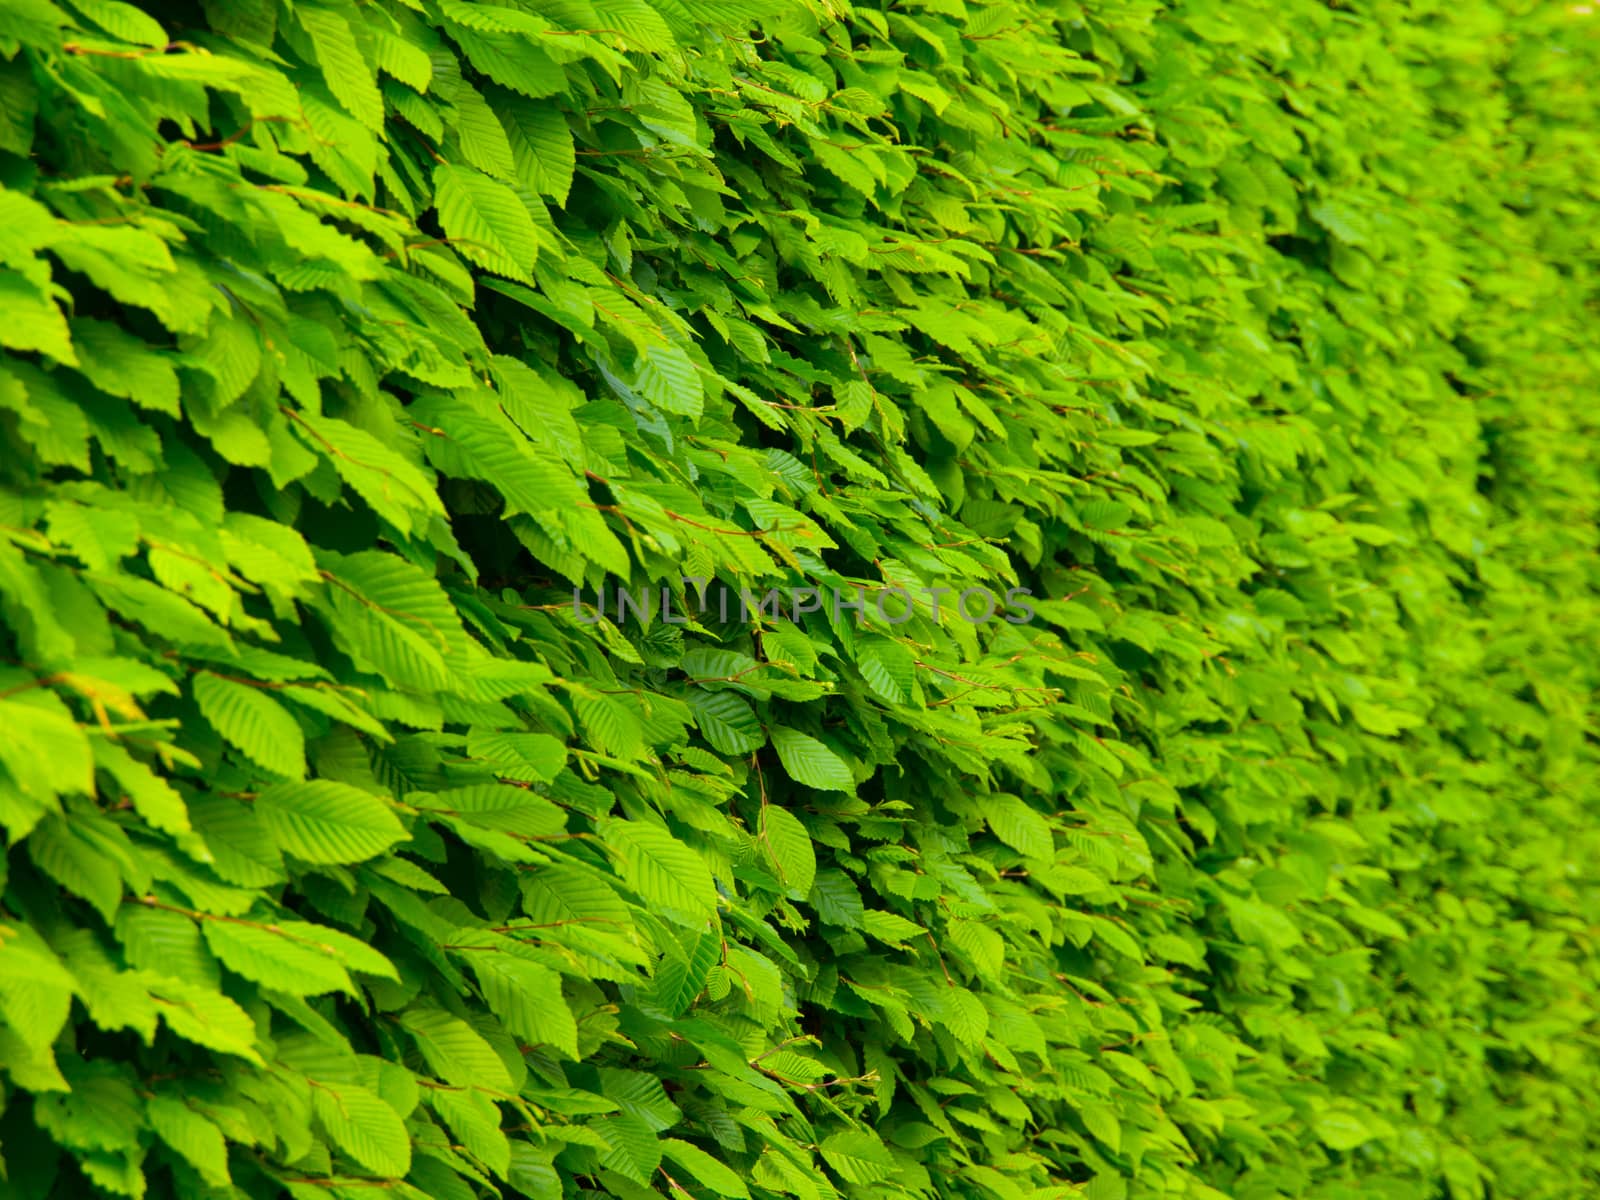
<point x="1244" y="352"/>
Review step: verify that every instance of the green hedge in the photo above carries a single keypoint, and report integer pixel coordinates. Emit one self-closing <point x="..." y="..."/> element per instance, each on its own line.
<point x="1249" y="851"/>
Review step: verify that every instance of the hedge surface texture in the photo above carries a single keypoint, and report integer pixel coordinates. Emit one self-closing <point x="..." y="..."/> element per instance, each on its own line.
<point x="1250" y="854"/>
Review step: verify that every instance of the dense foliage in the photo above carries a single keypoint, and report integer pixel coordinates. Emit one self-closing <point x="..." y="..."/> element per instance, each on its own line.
<point x="343" y="850"/>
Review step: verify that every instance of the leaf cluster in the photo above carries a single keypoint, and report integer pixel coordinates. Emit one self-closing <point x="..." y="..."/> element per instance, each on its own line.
<point x="345" y="852"/>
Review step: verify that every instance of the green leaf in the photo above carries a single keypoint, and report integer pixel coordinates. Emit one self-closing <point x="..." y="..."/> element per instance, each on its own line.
<point x="668" y="378"/>
<point x="100" y="538"/>
<point x="661" y="869"/>
<point x="727" y="722"/>
<point x="36" y="990"/>
<point x="101" y="1113"/>
<point x="1341" y="1131"/>
<point x="83" y="855"/>
<point x="191" y="1136"/>
<point x="492" y="18"/>
<point x="205" y="1017"/>
<point x="402" y="60"/>
<point x="888" y="668"/>
<point x="509" y="809"/>
<point x="393" y="618"/>
<point x="474" y="1121"/>
<point x="274" y="959"/>
<point x="610" y="724"/>
<point x="703" y="1169"/>
<point x="350" y="77"/>
<point x="321" y="821"/>
<point x="395" y="489"/>
<point x="483" y="138"/>
<point x="251" y="720"/>
<point x="809" y="762"/>
<point x="455" y="1051"/>
<point x="33" y="321"/>
<point x="242" y="850"/>
<point x="1103" y="1123"/>
<point x="45" y="751"/>
<point x="638" y="25"/>
<point x="364" y="1127"/>
<point x="634" y="1150"/>
<point x="486" y="221"/>
<point x="789" y="846"/>
<point x="525" y="757"/>
<point x="837" y="899"/>
<point x="122" y="365"/>
<point x="858" y="1156"/>
<point x="166" y="943"/>
<point x="681" y="978"/>
<point x="1019" y="826"/>
<point x="890" y="927"/>
<point x="527" y="997"/>
<point x="965" y="1016"/>
<point x="475" y="442"/>
<point x="541" y="143"/>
